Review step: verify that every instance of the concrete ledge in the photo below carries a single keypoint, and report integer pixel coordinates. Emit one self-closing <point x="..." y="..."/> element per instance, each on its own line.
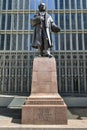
<point x="5" y="100"/>
<point x="18" y="101"/>
<point x="76" y="101"/>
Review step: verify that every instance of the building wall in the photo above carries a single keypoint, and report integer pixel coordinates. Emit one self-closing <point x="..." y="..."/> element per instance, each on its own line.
<point x="70" y="45"/>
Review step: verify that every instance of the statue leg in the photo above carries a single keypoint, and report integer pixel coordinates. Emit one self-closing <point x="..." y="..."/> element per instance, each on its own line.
<point x="40" y="50"/>
<point x="47" y="49"/>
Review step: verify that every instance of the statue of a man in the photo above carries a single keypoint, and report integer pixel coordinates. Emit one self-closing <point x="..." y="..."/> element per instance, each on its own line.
<point x="43" y="26"/>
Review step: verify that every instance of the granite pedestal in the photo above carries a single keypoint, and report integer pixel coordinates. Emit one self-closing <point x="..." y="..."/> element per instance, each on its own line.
<point x="44" y="105"/>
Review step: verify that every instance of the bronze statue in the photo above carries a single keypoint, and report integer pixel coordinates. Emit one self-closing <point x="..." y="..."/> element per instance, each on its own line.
<point x="43" y="26"/>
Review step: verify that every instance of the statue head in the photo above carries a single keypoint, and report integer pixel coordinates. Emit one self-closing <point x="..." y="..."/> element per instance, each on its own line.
<point x="42" y="7"/>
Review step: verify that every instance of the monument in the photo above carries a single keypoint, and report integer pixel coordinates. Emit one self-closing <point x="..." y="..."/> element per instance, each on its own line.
<point x="44" y="105"/>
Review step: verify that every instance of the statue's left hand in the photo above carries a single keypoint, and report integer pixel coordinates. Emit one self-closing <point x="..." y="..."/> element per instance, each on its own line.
<point x="55" y="28"/>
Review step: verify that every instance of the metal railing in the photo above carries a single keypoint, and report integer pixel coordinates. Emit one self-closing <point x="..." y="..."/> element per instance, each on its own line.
<point x="16" y="72"/>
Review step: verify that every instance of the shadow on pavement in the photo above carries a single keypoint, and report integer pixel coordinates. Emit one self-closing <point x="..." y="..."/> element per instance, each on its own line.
<point x="77" y="113"/>
<point x="14" y="114"/>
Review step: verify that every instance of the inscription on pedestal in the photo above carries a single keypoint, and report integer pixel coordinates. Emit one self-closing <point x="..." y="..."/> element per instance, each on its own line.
<point x="44" y="114"/>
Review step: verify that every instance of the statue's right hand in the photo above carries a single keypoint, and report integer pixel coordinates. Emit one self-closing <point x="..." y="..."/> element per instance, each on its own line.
<point x="35" y="21"/>
<point x="41" y="18"/>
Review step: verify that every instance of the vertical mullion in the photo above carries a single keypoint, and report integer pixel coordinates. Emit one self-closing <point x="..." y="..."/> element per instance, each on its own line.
<point x="22" y="50"/>
<point x="71" y="58"/>
<point x="84" y="72"/>
<point x="22" y="72"/>
<point x="5" y="31"/>
<point x="1" y="22"/>
<point x="17" y="27"/>
<point x="28" y="72"/>
<point x="11" y="32"/>
<point x="59" y="52"/>
<point x="16" y="85"/>
<point x="60" y="88"/>
<point x="29" y="28"/>
<point x="3" y="76"/>
<point x="71" y="49"/>
<point x="0" y="14"/>
<point x="65" y="49"/>
<point x="66" y="73"/>
<point x="86" y="3"/>
<point x="9" y="86"/>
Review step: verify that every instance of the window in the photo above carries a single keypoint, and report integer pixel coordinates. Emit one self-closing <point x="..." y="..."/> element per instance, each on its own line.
<point x="21" y="4"/>
<point x="79" y="20"/>
<point x="19" y="42"/>
<point x="30" y="26"/>
<point x="72" y="4"/>
<point x="67" y="41"/>
<point x="13" y="42"/>
<point x="50" y="4"/>
<point x="85" y="20"/>
<point x="15" y="22"/>
<point x="8" y="42"/>
<point x="56" y="4"/>
<point x="8" y="21"/>
<point x="55" y="41"/>
<point x="26" y="17"/>
<point x="56" y="18"/>
<point x="26" y="41"/>
<point x="62" y="21"/>
<point x="20" y="23"/>
<point x="32" y="5"/>
<point x="2" y="42"/>
<point x="73" y="21"/>
<point x="85" y="41"/>
<point x="61" y="4"/>
<point x="9" y="4"/>
<point x="61" y="41"/>
<point x="3" y="22"/>
<point x="31" y="37"/>
<point x="73" y="41"/>
<point x="26" y="4"/>
<point x="15" y="4"/>
<point x="66" y="4"/>
<point x="84" y="4"/>
<point x="78" y="4"/>
<point x="0" y="4"/>
<point x="80" y="41"/>
<point x="4" y="5"/>
<point x="67" y="21"/>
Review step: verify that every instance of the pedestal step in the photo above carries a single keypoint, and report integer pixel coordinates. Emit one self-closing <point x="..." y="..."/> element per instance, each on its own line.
<point x="40" y="99"/>
<point x="44" y="114"/>
<point x="44" y="102"/>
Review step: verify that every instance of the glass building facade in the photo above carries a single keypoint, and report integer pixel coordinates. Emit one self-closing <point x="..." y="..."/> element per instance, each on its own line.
<point x="70" y="45"/>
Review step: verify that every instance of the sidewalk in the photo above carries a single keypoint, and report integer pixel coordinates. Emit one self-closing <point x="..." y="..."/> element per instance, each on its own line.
<point x="11" y="118"/>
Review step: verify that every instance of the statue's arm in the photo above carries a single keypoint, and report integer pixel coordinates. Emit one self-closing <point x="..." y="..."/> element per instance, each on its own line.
<point x="36" y="20"/>
<point x="55" y="28"/>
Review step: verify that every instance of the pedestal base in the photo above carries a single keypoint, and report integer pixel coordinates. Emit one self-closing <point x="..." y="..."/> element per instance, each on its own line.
<point x="45" y="105"/>
<point x="49" y="109"/>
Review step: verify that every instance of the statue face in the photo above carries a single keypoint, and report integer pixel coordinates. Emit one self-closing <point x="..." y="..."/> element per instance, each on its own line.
<point x="42" y="7"/>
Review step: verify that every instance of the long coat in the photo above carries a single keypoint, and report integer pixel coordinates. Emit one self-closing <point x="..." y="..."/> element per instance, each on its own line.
<point x="48" y="28"/>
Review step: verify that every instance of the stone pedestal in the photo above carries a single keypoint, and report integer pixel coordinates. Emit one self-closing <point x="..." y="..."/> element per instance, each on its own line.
<point x="44" y="105"/>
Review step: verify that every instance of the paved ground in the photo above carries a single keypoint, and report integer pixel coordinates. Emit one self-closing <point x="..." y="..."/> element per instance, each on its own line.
<point x="77" y="118"/>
